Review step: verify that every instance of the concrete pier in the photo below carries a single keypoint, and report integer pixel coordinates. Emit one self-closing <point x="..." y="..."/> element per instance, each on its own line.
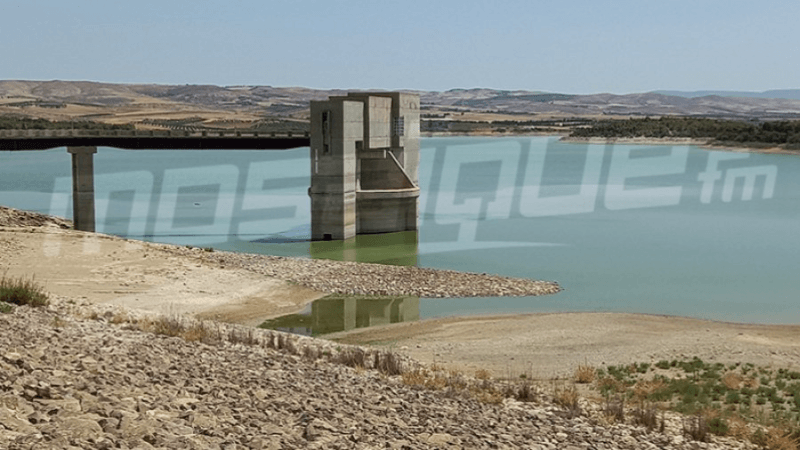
<point x="364" y="164"/>
<point x="83" y="187"/>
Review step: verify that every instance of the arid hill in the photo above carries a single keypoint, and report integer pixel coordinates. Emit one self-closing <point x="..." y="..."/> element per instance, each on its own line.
<point x="246" y="106"/>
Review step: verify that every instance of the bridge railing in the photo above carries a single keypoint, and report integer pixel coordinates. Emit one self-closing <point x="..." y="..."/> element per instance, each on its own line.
<point x="244" y="134"/>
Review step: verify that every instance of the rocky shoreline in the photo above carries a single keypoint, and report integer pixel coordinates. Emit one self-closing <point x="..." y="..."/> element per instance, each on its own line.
<point x="86" y="376"/>
<point x="346" y="277"/>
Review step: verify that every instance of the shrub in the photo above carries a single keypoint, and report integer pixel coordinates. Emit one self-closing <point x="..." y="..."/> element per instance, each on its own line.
<point x="696" y="428"/>
<point x="732" y="380"/>
<point x="388" y="363"/>
<point x="646" y="415"/>
<point x="22" y="291"/>
<point x="526" y="392"/>
<point x="615" y="408"/>
<point x="663" y="364"/>
<point x="483" y="374"/>
<point x="568" y="399"/>
<point x="718" y="426"/>
<point x="584" y="374"/>
<point x="5" y="308"/>
<point x="733" y="397"/>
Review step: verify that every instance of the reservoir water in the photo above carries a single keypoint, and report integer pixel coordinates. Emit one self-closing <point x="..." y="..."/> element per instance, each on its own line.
<point x="649" y="229"/>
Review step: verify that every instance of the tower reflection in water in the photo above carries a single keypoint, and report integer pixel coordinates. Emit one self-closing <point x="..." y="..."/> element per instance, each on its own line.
<point x="336" y="313"/>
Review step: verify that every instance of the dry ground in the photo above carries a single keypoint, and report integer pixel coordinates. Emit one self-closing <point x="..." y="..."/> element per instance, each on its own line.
<point x="133" y="274"/>
<point x="544" y="346"/>
<point x="104" y="269"/>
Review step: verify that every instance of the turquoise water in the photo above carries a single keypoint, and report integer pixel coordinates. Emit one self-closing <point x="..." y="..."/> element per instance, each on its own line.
<point x="663" y="230"/>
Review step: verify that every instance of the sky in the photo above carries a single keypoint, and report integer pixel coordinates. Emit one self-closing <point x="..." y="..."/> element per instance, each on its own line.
<point x="576" y="46"/>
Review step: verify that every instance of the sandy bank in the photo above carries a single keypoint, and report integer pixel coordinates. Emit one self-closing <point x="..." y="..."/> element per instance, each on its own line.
<point x="549" y="345"/>
<point x="231" y="287"/>
<point x="140" y="275"/>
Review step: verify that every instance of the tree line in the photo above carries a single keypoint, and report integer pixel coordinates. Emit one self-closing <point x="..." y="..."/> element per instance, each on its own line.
<point x="27" y="123"/>
<point x="784" y="134"/>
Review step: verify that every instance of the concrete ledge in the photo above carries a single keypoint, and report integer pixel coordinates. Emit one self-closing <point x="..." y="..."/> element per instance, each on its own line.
<point x="382" y="194"/>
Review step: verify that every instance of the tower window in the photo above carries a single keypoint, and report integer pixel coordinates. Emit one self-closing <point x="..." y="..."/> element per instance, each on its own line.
<point x="399" y="126"/>
<point x="326" y="132"/>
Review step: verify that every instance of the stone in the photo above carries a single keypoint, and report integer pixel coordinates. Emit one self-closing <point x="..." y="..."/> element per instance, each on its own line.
<point x="80" y="428"/>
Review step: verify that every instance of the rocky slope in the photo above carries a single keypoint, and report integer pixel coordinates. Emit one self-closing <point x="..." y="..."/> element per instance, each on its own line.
<point x="10" y="217"/>
<point x="75" y="378"/>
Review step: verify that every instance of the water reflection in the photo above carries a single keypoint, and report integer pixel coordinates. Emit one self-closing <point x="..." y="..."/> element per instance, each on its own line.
<point x="398" y="249"/>
<point x="346" y="312"/>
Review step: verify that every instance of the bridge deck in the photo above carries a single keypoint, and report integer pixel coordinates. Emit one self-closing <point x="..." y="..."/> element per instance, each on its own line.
<point x="20" y="140"/>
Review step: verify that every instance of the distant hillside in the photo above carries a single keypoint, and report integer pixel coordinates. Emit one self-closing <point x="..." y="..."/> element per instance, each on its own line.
<point x="789" y="94"/>
<point x="138" y="103"/>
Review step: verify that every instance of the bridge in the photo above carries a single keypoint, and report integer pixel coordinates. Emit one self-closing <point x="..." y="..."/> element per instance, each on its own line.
<point x="19" y="140"/>
<point x="364" y="150"/>
<point x="82" y="144"/>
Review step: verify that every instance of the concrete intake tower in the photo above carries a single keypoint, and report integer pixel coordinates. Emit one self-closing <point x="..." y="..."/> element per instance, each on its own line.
<point x="364" y="164"/>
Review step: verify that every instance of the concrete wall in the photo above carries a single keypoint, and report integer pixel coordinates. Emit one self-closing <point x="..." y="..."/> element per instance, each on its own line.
<point x="333" y="168"/>
<point x="365" y="177"/>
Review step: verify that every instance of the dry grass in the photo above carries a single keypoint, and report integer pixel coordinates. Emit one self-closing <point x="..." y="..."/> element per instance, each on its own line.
<point x="388" y="363"/>
<point x="487" y="396"/>
<point x="584" y="374"/>
<point x="198" y="332"/>
<point x="752" y="383"/>
<point x="425" y="378"/>
<point x="177" y="326"/>
<point x="567" y="397"/>
<point x="696" y="428"/>
<point x="119" y="317"/>
<point x="738" y="428"/>
<point x="351" y="357"/>
<point x="483" y="374"/>
<point x="22" y="291"/>
<point x="732" y="380"/>
<point x="311" y="353"/>
<point x="646" y="415"/>
<point x="779" y="439"/>
<point x="610" y="384"/>
<point x="526" y="392"/>
<point x="614" y="409"/>
<point x="643" y="388"/>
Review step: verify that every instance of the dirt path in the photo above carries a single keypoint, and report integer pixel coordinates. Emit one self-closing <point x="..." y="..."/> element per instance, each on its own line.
<point x="553" y="345"/>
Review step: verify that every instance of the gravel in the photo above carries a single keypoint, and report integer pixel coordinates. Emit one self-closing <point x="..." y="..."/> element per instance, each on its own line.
<point x="346" y="277"/>
<point x="71" y="378"/>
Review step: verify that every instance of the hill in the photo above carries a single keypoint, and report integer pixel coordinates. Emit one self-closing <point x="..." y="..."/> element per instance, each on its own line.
<point x="789" y="94"/>
<point x="287" y="108"/>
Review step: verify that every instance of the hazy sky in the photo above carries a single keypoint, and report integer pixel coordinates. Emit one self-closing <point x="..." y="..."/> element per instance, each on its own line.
<point x="571" y="46"/>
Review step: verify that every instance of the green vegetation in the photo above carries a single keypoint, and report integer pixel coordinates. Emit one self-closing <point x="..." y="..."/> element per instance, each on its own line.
<point x="743" y="401"/>
<point x="784" y="134"/>
<point x="6" y="308"/>
<point x="27" y="123"/>
<point x="22" y="291"/>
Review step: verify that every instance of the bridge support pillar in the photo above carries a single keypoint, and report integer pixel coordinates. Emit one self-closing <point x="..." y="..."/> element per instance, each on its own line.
<point x="83" y="187"/>
<point x="364" y="164"/>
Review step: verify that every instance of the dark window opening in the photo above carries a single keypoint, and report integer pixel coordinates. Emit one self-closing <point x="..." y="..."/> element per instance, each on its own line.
<point x="326" y="132"/>
<point x="399" y="125"/>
